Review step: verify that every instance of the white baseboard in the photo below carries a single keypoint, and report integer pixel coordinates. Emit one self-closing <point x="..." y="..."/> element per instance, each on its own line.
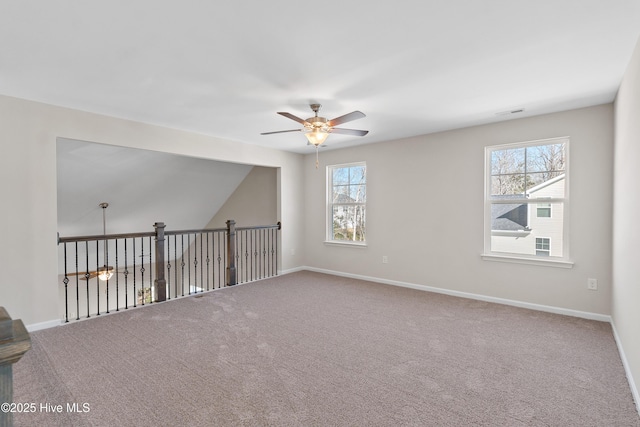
<point x="531" y="306"/>
<point x="292" y="270"/>
<point x="43" y="325"/>
<point x="627" y="368"/>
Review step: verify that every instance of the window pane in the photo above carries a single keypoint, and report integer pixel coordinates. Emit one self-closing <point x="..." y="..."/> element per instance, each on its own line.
<point x="507" y="184"/>
<point x="507" y="161"/>
<point x="340" y="176"/>
<point x="509" y="217"/>
<point x="545" y="185"/>
<point x="340" y="194"/>
<point x="543" y="210"/>
<point x="357" y="174"/>
<point x="349" y="223"/>
<point x="516" y="229"/>
<point x="542" y="243"/>
<point x="358" y="193"/>
<point x="546" y="158"/>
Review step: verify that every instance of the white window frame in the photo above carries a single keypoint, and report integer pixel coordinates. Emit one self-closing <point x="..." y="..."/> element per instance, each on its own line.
<point x="488" y="254"/>
<point x="329" y="202"/>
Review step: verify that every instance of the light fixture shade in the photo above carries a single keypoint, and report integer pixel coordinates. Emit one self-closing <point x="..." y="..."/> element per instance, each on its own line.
<point x="316" y="136"/>
<point x="105" y="273"/>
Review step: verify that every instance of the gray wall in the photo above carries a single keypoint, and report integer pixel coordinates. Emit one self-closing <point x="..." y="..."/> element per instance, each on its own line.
<point x="254" y="202"/>
<point x="626" y="235"/>
<point x="425" y="212"/>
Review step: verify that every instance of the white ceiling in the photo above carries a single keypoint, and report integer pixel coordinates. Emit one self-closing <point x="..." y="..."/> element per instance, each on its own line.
<point x="226" y="68"/>
<point x="142" y="187"/>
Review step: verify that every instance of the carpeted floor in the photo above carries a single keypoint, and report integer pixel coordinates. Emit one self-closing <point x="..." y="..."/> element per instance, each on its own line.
<point x="308" y="349"/>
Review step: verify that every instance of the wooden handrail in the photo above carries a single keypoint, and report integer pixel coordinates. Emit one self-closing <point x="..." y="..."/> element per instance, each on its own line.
<point x="14" y="343"/>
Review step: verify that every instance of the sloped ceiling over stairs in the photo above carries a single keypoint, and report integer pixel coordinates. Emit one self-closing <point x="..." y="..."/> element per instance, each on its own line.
<point x="142" y="187"/>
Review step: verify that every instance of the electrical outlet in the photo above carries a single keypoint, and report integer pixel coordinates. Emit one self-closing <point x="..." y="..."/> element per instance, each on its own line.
<point x="385" y="259"/>
<point x="592" y="284"/>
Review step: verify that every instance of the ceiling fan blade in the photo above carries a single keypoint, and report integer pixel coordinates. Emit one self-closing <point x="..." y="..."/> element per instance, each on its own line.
<point x="292" y="117"/>
<point x="92" y="273"/>
<point x="355" y="132"/>
<point x="281" y="131"/>
<point x="80" y="273"/>
<point x="354" y="115"/>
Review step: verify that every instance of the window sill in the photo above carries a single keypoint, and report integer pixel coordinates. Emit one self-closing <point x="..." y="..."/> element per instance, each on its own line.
<point x="345" y="244"/>
<point x="528" y="261"/>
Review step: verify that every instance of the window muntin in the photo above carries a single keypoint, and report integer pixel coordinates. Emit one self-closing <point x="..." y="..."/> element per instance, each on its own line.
<point x="518" y="176"/>
<point x="347" y="194"/>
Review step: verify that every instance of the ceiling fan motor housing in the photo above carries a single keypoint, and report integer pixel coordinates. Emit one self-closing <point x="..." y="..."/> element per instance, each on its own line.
<point x="316" y="123"/>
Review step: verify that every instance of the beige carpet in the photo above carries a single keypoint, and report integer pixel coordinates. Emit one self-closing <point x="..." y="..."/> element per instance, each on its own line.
<point x="308" y="349"/>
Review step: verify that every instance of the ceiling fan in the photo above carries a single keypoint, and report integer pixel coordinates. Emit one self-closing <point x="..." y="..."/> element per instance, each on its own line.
<point x="105" y="272"/>
<point x="317" y="129"/>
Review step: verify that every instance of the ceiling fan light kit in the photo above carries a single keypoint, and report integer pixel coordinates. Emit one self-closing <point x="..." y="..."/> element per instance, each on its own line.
<point x="317" y="128"/>
<point x="105" y="273"/>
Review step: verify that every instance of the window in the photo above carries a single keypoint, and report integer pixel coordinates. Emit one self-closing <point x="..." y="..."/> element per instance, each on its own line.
<point x="524" y="184"/>
<point x="346" y="203"/>
<point x="543" y="210"/>
<point x="542" y="246"/>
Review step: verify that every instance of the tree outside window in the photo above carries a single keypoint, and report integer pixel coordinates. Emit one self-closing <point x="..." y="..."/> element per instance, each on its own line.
<point x="347" y="202"/>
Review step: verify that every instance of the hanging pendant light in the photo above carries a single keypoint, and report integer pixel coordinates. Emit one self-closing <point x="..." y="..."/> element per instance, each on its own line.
<point x="104" y="273"/>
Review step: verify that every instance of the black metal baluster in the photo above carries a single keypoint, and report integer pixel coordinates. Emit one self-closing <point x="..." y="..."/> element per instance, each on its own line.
<point x="77" y="286"/>
<point x="98" y="278"/>
<point x="273" y="233"/>
<point x="142" y="267"/>
<point x="86" y="275"/>
<point x="195" y="263"/>
<point x="263" y="239"/>
<point x="254" y="259"/>
<point x="208" y="268"/>
<point x="117" y="280"/>
<point x="201" y="265"/>
<point x="182" y="262"/>
<point x="66" y="282"/>
<point x="219" y="258"/>
<point x="175" y="270"/>
<point x="126" y="278"/>
<point x="277" y="247"/>
<point x="189" y="261"/>
<point x="169" y="267"/>
<point x="135" y="293"/>
<point x="246" y="256"/>
<point x="106" y="266"/>
<point x="150" y="271"/>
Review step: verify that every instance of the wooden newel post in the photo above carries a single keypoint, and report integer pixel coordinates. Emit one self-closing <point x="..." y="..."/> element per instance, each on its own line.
<point x="160" y="282"/>
<point x="231" y="253"/>
<point x="14" y="342"/>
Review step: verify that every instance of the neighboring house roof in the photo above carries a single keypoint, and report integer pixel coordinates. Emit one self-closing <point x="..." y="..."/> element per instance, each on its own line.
<point x="546" y="184"/>
<point x="344" y="198"/>
<point x="509" y="217"/>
